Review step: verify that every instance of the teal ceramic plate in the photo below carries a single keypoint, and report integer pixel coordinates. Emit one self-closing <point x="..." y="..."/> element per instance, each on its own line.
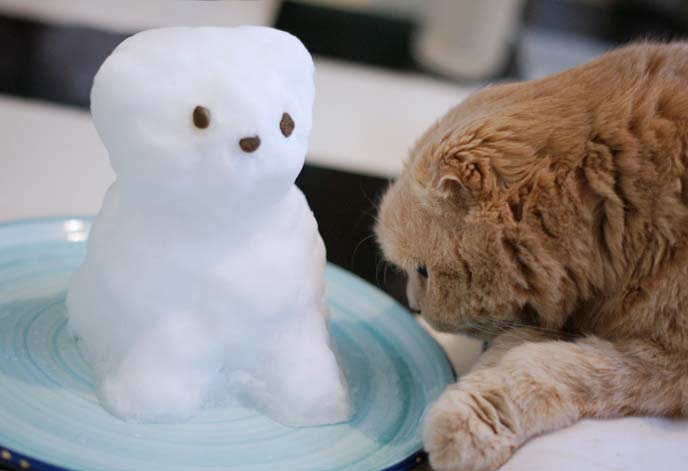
<point x="50" y="418"/>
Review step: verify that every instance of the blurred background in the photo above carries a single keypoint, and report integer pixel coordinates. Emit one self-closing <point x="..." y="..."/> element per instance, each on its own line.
<point x="386" y="69"/>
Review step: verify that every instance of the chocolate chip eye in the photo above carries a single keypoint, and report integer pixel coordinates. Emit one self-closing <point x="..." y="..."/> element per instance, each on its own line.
<point x="422" y="271"/>
<point x="287" y="125"/>
<point x="201" y="117"/>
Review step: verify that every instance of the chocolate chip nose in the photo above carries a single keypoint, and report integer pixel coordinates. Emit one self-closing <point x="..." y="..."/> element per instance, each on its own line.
<point x="249" y="144"/>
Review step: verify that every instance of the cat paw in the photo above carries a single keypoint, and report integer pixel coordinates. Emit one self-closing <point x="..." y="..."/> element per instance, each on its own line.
<point x="466" y="431"/>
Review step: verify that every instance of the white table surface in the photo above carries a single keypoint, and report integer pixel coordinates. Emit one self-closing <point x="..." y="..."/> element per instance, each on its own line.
<point x="52" y="163"/>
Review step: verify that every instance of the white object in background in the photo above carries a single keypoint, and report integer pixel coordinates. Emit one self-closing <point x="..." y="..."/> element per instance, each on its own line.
<point x="204" y="275"/>
<point x="135" y="15"/>
<point x="543" y="52"/>
<point x="51" y="161"/>
<point x="467" y="39"/>
<point x="462" y="351"/>
<point x="367" y="120"/>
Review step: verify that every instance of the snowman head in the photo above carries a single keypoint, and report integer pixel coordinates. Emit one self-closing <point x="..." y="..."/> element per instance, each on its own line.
<point x="206" y="112"/>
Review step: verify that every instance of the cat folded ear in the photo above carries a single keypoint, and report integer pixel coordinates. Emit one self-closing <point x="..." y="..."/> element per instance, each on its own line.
<point x="459" y="164"/>
<point x="467" y="164"/>
<point x="465" y="175"/>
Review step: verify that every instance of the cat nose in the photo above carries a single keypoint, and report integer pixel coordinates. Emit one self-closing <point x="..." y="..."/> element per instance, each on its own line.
<point x="249" y="144"/>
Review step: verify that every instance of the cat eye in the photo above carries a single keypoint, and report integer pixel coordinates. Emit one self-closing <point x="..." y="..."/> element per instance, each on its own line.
<point x="287" y="125"/>
<point x="422" y="271"/>
<point x="201" y="117"/>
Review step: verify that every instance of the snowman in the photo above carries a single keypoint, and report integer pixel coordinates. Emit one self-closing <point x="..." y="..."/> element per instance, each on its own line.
<point x="203" y="282"/>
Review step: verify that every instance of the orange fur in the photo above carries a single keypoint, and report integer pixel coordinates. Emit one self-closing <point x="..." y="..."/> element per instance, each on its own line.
<point x="553" y="215"/>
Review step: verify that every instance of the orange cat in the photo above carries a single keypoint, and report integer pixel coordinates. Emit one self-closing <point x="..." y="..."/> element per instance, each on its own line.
<point x="553" y="214"/>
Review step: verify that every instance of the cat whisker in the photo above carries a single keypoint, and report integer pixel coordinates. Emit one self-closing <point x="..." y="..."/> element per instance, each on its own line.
<point x="482" y="328"/>
<point x="353" y="254"/>
<point x="384" y="274"/>
<point x="380" y="261"/>
<point x="374" y="205"/>
<point x="519" y="327"/>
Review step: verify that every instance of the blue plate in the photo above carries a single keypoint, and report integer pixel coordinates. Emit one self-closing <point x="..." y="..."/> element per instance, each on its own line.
<point x="50" y="418"/>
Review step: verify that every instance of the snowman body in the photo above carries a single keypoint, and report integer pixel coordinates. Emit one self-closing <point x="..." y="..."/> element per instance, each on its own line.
<point x="204" y="276"/>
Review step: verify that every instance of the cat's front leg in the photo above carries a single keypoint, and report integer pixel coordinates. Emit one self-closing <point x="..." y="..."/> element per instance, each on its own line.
<point x="478" y="423"/>
<point x="458" y="432"/>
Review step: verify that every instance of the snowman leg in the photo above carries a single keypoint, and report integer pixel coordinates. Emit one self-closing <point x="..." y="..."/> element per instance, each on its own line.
<point x="164" y="377"/>
<point x="311" y="387"/>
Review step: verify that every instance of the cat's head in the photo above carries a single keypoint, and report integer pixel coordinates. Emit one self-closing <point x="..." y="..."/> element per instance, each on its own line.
<point x="465" y="220"/>
<point x="203" y="109"/>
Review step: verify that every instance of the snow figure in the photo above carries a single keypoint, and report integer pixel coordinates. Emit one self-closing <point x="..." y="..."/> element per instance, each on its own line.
<point x="204" y="276"/>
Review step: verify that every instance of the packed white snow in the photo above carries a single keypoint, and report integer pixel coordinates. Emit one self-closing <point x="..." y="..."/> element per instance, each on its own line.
<point x="204" y="279"/>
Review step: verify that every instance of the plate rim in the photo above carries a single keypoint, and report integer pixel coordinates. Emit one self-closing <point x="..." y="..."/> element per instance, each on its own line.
<point x="21" y="462"/>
